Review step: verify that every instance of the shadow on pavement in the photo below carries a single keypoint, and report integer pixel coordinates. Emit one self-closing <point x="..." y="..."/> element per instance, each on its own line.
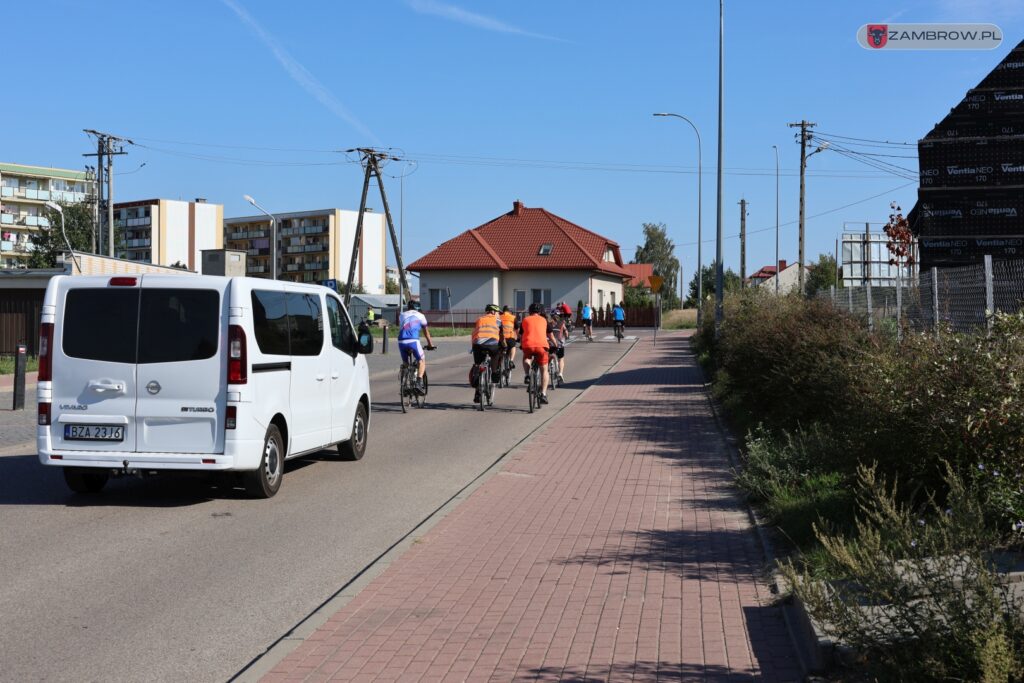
<point x="24" y="481"/>
<point x="637" y="671"/>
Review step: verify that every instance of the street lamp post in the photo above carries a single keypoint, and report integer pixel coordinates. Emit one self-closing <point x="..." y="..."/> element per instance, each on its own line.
<point x="57" y="207"/>
<point x="719" y="266"/>
<point x="700" y="194"/>
<point x="273" y="235"/>
<point x="777" y="273"/>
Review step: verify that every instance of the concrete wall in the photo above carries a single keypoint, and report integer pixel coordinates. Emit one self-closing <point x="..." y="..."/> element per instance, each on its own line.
<point x="176" y="215"/>
<point x="471" y="289"/>
<point x="374" y="249"/>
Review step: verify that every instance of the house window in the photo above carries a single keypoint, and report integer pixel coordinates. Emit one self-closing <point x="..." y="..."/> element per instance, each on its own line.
<point x="439" y="300"/>
<point x="519" y="298"/>
<point x="545" y="249"/>
<point x="609" y="255"/>
<point x="600" y="299"/>
<point x="541" y="296"/>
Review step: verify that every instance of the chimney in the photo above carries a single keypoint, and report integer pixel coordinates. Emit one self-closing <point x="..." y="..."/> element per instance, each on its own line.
<point x="200" y="200"/>
<point x="782" y="265"/>
<point x="517" y="208"/>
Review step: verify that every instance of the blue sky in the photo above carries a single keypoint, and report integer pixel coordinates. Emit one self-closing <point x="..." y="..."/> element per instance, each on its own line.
<point x="467" y="87"/>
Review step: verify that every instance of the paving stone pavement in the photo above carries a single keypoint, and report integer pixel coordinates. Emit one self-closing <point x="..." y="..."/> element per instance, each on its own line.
<point x="17" y="427"/>
<point x="612" y="546"/>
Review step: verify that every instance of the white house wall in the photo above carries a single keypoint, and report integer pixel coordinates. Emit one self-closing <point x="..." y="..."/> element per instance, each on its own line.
<point x="605" y="290"/>
<point x="565" y="285"/>
<point x="207" y="232"/>
<point x="471" y="289"/>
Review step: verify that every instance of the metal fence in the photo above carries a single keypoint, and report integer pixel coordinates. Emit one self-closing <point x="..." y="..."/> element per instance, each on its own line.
<point x="961" y="299"/>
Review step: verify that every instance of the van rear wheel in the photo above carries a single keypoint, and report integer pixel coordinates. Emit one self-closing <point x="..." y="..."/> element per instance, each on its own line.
<point x="85" y="479"/>
<point x="355" y="447"/>
<point x="265" y="481"/>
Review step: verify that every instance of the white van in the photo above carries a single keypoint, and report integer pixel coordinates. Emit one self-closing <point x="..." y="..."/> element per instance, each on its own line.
<point x="146" y="372"/>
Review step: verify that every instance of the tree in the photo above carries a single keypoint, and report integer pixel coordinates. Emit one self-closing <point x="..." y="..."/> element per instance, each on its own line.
<point x="391" y="286"/>
<point x="821" y="275"/>
<point x="637" y="297"/>
<point x="48" y="243"/>
<point x="732" y="283"/>
<point x="657" y="250"/>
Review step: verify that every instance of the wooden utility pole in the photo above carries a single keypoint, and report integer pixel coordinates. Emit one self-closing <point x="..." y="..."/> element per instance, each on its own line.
<point x="804" y="137"/>
<point x="743" y="243"/>
<point x="371" y="159"/>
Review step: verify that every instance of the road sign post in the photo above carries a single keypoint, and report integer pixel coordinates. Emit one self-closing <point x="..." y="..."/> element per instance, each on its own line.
<point x="656" y="281"/>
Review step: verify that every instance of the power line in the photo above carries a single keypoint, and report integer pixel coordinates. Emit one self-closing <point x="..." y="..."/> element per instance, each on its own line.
<point x="817" y="215"/>
<point x="880" y="142"/>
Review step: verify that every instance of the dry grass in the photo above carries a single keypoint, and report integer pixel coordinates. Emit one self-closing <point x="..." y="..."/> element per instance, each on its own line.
<point x="679" y="319"/>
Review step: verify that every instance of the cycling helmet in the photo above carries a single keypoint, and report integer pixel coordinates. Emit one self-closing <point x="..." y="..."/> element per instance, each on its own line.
<point x="491" y="308"/>
<point x="505" y="309"/>
<point x="413" y="306"/>
<point x="536" y="308"/>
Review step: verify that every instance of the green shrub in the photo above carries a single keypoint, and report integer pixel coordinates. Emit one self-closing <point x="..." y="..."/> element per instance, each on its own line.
<point x="919" y="598"/>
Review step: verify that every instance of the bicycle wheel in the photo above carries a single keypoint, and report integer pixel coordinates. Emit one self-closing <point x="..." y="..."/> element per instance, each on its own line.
<point x="490" y="386"/>
<point x="403" y="387"/>
<point x="530" y="389"/>
<point x="481" y="398"/>
<point x="552" y="372"/>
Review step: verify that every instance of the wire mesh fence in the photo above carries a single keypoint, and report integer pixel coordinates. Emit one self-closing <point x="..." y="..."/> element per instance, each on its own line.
<point x="961" y="299"/>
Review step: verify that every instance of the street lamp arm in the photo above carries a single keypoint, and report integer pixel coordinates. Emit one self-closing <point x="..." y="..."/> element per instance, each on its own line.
<point x="273" y="235"/>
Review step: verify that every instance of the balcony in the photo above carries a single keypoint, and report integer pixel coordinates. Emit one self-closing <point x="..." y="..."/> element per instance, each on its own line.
<point x="6" y="219"/>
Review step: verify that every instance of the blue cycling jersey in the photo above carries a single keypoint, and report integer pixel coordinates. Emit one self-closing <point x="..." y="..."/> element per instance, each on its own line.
<point x="409" y="325"/>
<point x="619" y="313"/>
<point x="587" y="313"/>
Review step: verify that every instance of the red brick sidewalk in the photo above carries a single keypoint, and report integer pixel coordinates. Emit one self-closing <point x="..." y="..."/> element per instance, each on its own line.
<point x="610" y="547"/>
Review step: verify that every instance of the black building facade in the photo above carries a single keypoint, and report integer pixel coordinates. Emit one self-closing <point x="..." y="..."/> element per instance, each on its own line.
<point x="971" y="194"/>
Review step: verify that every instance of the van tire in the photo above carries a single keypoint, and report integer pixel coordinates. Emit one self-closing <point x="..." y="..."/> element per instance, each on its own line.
<point x="355" y="447"/>
<point x="85" y="479"/>
<point x="265" y="481"/>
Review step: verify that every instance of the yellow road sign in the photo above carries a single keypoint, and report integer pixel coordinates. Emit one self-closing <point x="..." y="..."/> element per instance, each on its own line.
<point x="656" y="282"/>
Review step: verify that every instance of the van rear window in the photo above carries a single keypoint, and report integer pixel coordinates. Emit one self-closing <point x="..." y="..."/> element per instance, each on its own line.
<point x="101" y="324"/>
<point x="176" y="325"/>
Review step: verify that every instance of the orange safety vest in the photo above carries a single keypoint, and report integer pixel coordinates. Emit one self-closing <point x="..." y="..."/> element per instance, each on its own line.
<point x="535" y="332"/>
<point x="508" y="324"/>
<point x="486" y="328"/>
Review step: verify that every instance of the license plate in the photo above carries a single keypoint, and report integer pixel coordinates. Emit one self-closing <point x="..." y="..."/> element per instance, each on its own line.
<point x="93" y="433"/>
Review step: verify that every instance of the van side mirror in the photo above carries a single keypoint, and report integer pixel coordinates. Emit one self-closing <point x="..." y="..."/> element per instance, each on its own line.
<point x="365" y="339"/>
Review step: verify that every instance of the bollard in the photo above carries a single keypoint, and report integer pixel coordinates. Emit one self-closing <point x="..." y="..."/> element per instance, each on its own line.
<point x="19" y="378"/>
<point x="384" y="343"/>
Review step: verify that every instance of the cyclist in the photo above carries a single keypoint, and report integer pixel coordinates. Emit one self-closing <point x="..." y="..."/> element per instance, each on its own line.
<point x="565" y="311"/>
<point x="410" y="324"/>
<point x="560" y="333"/>
<point x="536" y="338"/>
<point x="509" y="327"/>
<point x="619" y="316"/>
<point x="487" y="341"/>
<point x="587" y="315"/>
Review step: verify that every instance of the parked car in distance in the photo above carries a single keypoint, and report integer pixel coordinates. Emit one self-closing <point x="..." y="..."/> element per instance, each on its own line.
<point x="144" y="373"/>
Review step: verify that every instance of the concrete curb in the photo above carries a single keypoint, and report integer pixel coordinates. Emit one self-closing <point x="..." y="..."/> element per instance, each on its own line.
<point x="807" y="648"/>
<point x="262" y="664"/>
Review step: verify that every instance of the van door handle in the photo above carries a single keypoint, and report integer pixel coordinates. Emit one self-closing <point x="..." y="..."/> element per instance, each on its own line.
<point x="321" y="378"/>
<point x="106" y="386"/>
<point x="334" y="375"/>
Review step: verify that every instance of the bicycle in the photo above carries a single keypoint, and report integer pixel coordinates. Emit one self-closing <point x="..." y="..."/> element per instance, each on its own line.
<point x="409" y="395"/>
<point x="554" y="375"/>
<point x="588" y="330"/>
<point x="619" y="331"/>
<point x="570" y="324"/>
<point x="484" y="388"/>
<point x="533" y="387"/>
<point x="505" y="373"/>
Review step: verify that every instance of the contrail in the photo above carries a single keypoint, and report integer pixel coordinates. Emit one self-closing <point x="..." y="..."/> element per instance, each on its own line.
<point x="301" y="74"/>
<point x="462" y="16"/>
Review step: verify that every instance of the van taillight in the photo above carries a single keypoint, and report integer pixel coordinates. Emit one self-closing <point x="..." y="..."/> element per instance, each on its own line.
<point x="123" y="281"/>
<point x="44" y="414"/>
<point x="45" y="352"/>
<point x="231" y="418"/>
<point x="238" y="362"/>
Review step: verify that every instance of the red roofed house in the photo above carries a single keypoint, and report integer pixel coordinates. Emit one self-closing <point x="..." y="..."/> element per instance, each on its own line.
<point x="641" y="273"/>
<point x="524" y="256"/>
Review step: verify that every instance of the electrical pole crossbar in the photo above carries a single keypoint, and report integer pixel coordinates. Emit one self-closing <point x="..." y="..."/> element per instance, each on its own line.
<point x="107" y="147"/>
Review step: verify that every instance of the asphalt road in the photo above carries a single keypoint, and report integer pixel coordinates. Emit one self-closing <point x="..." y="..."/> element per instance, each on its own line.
<point x="174" y="578"/>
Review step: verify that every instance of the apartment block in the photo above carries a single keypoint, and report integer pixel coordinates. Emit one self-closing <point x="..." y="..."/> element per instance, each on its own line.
<point x="313" y="246"/>
<point x="24" y="190"/>
<point x="165" y="232"/>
